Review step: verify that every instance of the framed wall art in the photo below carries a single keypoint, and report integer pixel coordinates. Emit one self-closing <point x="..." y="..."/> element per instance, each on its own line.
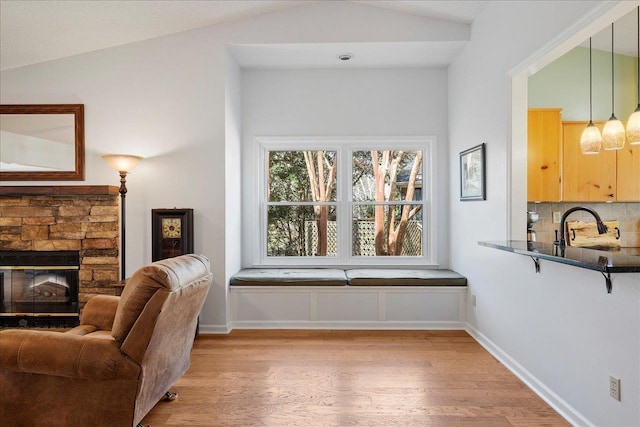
<point x="473" y="173"/>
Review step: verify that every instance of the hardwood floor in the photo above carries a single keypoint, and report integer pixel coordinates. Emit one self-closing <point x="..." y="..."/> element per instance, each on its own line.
<point x="345" y="378"/>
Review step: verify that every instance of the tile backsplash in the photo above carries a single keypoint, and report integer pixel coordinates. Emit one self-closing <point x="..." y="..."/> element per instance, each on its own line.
<point x="628" y="215"/>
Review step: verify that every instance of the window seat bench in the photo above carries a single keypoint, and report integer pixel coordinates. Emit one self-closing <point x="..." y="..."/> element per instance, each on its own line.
<point x="358" y="298"/>
<point x="346" y="277"/>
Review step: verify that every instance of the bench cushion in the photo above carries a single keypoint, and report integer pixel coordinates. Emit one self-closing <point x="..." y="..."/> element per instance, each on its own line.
<point x="289" y="277"/>
<point x="390" y="277"/>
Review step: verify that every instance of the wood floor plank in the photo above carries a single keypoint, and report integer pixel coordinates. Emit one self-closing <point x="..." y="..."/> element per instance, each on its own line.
<point x="349" y="378"/>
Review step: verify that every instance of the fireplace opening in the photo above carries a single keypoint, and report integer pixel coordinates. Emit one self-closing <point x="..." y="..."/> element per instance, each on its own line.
<point x="39" y="288"/>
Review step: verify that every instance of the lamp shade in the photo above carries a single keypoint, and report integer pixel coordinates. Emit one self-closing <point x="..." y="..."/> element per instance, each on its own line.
<point x="591" y="140"/>
<point x="121" y="162"/>
<point x="613" y="135"/>
<point x="633" y="128"/>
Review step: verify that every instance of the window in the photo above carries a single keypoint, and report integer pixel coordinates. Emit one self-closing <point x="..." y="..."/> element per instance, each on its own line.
<point x="301" y="203"/>
<point x="387" y="202"/>
<point x="346" y="202"/>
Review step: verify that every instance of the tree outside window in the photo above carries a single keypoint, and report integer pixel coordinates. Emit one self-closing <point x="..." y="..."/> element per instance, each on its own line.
<point x="384" y="196"/>
<point x="384" y="187"/>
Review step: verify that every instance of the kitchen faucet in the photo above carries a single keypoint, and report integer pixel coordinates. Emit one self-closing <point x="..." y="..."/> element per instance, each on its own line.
<point x="602" y="228"/>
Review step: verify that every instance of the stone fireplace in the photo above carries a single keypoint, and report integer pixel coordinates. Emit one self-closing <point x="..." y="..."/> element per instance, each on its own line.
<point x="82" y="219"/>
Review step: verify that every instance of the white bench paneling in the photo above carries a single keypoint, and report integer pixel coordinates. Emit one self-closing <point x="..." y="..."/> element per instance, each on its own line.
<point x="269" y="306"/>
<point x="341" y="306"/>
<point x="432" y="306"/>
<point x="362" y="307"/>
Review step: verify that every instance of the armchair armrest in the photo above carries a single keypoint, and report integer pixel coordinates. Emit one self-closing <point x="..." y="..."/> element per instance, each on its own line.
<point x="100" y="311"/>
<point x="64" y="355"/>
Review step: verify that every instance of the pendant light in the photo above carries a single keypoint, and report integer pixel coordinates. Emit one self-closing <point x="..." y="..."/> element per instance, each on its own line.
<point x="613" y="133"/>
<point x="590" y="140"/>
<point x="633" y="124"/>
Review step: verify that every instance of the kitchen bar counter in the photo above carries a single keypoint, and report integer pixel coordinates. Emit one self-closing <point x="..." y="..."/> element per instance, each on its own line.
<point x="604" y="260"/>
<point x="614" y="260"/>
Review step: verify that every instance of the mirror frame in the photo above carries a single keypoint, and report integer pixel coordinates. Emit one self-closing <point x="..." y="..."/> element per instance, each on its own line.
<point x="78" y="111"/>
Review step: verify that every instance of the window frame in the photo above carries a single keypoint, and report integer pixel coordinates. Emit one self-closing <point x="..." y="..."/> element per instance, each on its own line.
<point x="344" y="147"/>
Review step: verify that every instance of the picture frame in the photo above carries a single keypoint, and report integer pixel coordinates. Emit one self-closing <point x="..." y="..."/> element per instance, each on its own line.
<point x="473" y="173"/>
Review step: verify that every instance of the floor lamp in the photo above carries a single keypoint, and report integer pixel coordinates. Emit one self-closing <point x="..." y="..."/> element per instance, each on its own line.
<point x="123" y="164"/>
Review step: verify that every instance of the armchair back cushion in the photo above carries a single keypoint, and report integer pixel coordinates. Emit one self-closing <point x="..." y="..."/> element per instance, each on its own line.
<point x="167" y="275"/>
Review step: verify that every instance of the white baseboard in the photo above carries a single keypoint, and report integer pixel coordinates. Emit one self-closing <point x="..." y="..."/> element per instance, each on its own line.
<point x="567" y="411"/>
<point x="356" y="325"/>
<point x="214" y="329"/>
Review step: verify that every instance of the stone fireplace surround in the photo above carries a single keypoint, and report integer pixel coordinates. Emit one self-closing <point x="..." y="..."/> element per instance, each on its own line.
<point x="66" y="218"/>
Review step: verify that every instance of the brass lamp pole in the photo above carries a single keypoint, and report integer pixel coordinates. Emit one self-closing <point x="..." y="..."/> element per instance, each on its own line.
<point x="123" y="164"/>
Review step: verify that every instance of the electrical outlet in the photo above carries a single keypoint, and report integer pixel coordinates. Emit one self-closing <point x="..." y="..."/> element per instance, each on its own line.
<point x="614" y="387"/>
<point x="557" y="216"/>
<point x="473" y="300"/>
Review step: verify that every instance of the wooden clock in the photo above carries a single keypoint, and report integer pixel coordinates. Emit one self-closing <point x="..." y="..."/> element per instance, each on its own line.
<point x="171" y="233"/>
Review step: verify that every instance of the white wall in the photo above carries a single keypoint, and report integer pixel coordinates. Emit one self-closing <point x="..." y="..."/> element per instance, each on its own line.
<point x="559" y="328"/>
<point x="565" y="84"/>
<point x="357" y="102"/>
<point x="233" y="179"/>
<point x="166" y="100"/>
<point x="162" y="99"/>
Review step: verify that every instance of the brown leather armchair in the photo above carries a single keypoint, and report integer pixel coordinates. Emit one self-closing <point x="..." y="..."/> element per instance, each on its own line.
<point x="122" y="359"/>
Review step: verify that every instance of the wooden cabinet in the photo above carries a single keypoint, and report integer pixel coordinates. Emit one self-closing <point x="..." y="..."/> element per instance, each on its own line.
<point x="628" y="173"/>
<point x="558" y="171"/>
<point x="606" y="176"/>
<point x="544" y="142"/>
<point x="586" y="177"/>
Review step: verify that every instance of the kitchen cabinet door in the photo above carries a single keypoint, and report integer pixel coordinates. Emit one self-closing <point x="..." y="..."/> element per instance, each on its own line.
<point x="544" y="141"/>
<point x="628" y="173"/>
<point x="586" y="178"/>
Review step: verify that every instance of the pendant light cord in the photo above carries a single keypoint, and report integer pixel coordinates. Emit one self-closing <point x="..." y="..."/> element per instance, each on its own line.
<point x="612" y="78"/>
<point x="590" y="86"/>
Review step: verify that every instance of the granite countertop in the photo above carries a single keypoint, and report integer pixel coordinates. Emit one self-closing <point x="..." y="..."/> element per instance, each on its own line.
<point x="614" y="260"/>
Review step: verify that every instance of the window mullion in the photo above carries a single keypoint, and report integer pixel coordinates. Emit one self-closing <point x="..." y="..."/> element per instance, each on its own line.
<point x="392" y="202"/>
<point x="346" y="225"/>
<point x="287" y="203"/>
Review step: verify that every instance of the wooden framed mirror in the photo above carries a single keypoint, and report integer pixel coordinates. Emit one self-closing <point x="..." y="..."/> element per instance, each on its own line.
<point x="42" y="142"/>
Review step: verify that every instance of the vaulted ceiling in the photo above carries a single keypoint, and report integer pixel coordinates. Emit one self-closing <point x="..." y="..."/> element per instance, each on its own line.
<point x="38" y="31"/>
